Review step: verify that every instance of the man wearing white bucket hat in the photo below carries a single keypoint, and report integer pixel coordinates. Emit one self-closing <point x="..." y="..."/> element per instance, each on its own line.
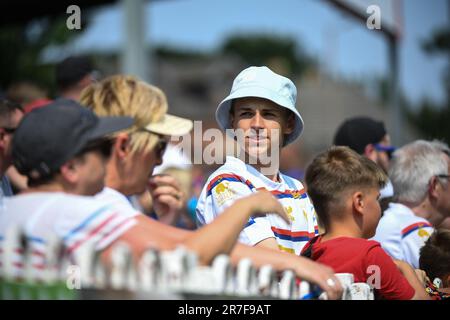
<point x="261" y="113"/>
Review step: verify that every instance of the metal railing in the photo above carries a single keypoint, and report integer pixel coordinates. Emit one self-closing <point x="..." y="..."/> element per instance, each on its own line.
<point x="32" y="270"/>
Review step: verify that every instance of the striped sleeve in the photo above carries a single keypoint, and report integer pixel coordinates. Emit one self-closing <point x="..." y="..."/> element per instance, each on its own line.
<point x="413" y="237"/>
<point x="97" y="224"/>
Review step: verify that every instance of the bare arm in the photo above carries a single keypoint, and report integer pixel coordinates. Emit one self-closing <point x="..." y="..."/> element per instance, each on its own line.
<point x="221" y="235"/>
<point x="209" y="241"/>
<point x="304" y="268"/>
<point x="410" y="275"/>
<point x="269" y="243"/>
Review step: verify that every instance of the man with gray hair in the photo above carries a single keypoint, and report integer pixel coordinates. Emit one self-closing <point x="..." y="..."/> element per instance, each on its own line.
<point x="419" y="173"/>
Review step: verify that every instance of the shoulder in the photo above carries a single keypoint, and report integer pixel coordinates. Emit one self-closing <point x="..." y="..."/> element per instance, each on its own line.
<point x="421" y="228"/>
<point x="81" y="205"/>
<point x="395" y="218"/>
<point x="232" y="167"/>
<point x="228" y="174"/>
<point x="60" y="200"/>
<point x="290" y="181"/>
<point x="357" y="244"/>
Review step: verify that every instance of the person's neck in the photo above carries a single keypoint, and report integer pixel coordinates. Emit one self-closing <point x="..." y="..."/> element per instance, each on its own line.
<point x="274" y="177"/>
<point x="427" y="211"/>
<point x="264" y="169"/>
<point x="346" y="228"/>
<point x="113" y="178"/>
<point x="50" y="187"/>
<point x="73" y="94"/>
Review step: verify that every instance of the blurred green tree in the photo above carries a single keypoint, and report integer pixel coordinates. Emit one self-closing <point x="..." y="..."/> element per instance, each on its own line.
<point x="22" y="47"/>
<point x="432" y="119"/>
<point x="280" y="52"/>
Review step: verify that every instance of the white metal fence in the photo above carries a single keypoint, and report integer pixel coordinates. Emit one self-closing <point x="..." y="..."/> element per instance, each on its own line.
<point x="31" y="270"/>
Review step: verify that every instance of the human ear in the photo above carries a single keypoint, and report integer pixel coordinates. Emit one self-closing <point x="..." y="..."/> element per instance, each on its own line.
<point x="69" y="170"/>
<point x="358" y="202"/>
<point x="370" y="152"/>
<point x="433" y="188"/>
<point x="121" y="146"/>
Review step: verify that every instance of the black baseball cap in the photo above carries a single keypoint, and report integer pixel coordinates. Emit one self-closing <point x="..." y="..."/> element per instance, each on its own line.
<point x="48" y="137"/>
<point x="71" y="70"/>
<point x="357" y="133"/>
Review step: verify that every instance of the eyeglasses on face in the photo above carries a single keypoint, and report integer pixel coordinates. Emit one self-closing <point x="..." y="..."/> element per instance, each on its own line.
<point x="382" y="148"/>
<point x="9" y="130"/>
<point x="161" y="145"/>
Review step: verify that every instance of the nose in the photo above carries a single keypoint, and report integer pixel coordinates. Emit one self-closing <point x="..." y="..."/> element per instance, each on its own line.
<point x="257" y="121"/>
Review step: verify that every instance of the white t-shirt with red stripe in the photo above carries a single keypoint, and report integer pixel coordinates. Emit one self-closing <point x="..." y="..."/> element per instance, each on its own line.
<point x="402" y="233"/>
<point x="235" y="180"/>
<point x="77" y="220"/>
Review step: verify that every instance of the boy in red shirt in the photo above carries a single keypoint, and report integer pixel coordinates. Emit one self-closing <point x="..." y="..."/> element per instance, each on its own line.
<point x="344" y="188"/>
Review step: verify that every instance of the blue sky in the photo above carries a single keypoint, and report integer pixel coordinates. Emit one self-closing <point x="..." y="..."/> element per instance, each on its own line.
<point x="343" y="45"/>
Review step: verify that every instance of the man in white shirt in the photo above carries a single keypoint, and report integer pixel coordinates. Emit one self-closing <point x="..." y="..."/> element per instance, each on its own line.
<point x="419" y="173"/>
<point x="261" y="110"/>
<point x="368" y="137"/>
<point x="62" y="150"/>
<point x="135" y="153"/>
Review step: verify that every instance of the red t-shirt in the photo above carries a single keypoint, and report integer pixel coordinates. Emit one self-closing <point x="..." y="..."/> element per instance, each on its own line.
<point x="361" y="258"/>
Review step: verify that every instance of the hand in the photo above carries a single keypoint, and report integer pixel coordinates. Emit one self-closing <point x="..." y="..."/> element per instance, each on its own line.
<point x="168" y="199"/>
<point x="321" y="275"/>
<point x="264" y="202"/>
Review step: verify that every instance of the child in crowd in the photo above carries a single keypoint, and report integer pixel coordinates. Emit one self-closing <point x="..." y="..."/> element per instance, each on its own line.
<point x="435" y="261"/>
<point x="345" y="188"/>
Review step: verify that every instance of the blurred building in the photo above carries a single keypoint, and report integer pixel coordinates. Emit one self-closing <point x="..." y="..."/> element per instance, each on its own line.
<point x="195" y="87"/>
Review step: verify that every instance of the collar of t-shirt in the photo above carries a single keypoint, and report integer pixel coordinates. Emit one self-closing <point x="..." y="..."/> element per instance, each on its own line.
<point x="110" y="194"/>
<point x="239" y="166"/>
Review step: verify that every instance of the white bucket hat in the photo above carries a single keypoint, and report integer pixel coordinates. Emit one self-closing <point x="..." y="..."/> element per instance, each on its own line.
<point x="261" y="82"/>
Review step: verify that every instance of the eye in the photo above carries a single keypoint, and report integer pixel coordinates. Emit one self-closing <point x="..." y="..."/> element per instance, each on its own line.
<point x="270" y="114"/>
<point x="245" y="113"/>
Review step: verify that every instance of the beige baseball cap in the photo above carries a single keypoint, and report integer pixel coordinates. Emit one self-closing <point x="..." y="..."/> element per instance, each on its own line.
<point x="170" y="125"/>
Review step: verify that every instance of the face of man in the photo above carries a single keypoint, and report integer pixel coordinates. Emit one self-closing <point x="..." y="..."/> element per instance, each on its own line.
<point x="443" y="200"/>
<point x="6" y="134"/>
<point x="382" y="157"/>
<point x="92" y="172"/>
<point x="262" y="124"/>
<point x="140" y="164"/>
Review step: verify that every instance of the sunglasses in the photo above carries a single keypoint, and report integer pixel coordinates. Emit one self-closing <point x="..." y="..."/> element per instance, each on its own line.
<point x="161" y="147"/>
<point x="9" y="130"/>
<point x="388" y="149"/>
